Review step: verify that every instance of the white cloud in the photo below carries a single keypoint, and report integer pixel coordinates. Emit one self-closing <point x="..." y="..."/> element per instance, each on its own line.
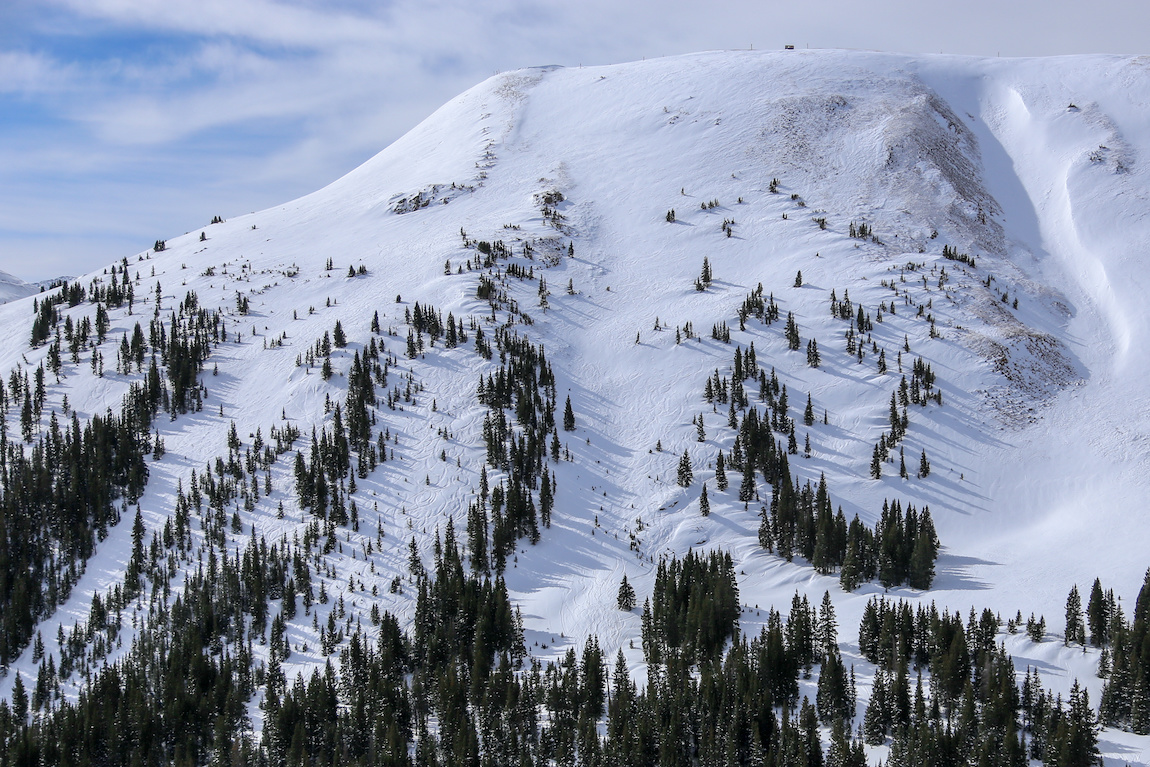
<point x="33" y="73"/>
<point x="265" y="21"/>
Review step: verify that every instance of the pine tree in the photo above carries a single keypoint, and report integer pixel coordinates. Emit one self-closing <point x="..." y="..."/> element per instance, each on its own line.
<point x="136" y="563"/>
<point x="828" y="626"/>
<point x="568" y="416"/>
<point x="813" y="358"/>
<point x="626" y="599"/>
<point x="792" y="333"/>
<point x="704" y="503"/>
<point x="902" y="465"/>
<point x="850" y="575"/>
<point x="747" y="488"/>
<point x="1098" y="615"/>
<point x="685" y="475"/>
<point x="923" y="466"/>
<point x="1075" y="630"/>
<point x="876" y="464"/>
<point x="924" y="554"/>
<point x="19" y="699"/>
<point x="809" y="412"/>
<point x="876" y="719"/>
<point x="721" y="472"/>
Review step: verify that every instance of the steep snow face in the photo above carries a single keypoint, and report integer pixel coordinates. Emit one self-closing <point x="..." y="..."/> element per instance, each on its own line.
<point x="1032" y="168"/>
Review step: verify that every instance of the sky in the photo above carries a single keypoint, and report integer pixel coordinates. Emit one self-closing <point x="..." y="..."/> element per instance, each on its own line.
<point x="127" y="121"/>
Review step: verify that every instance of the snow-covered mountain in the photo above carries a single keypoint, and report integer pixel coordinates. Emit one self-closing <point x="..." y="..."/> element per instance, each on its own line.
<point x="12" y="287"/>
<point x="609" y="186"/>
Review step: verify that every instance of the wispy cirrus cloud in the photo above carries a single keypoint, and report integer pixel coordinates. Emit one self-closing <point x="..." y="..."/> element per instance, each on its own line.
<point x="33" y="73"/>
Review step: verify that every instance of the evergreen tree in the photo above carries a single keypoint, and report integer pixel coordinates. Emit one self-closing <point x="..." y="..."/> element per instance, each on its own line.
<point x="876" y="719"/>
<point x="626" y="598"/>
<point x="813" y="358"/>
<point x="685" y="475"/>
<point x="792" y="333"/>
<point x="721" y="472"/>
<point x="923" y="466"/>
<point x="827" y="626"/>
<point x="568" y="416"/>
<point x="1098" y="615"/>
<point x="704" y="503"/>
<point x="925" y="553"/>
<point x="19" y="699"/>
<point x="1075" y="630"/>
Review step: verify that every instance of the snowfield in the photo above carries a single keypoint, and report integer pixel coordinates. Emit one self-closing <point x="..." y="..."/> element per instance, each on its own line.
<point x="1039" y="453"/>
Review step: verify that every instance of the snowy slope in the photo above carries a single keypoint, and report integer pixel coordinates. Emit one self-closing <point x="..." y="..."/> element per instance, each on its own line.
<point x="1039" y="453"/>
<point x="12" y="288"/>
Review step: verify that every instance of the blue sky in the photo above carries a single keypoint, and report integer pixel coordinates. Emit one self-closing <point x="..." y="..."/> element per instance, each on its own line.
<point x="125" y="121"/>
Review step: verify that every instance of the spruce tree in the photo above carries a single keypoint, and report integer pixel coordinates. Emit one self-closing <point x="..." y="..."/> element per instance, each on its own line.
<point x="568" y="416"/>
<point x="1075" y="631"/>
<point x="1098" y="615"/>
<point x="626" y="598"/>
<point x="924" y="554"/>
<point x="685" y="475"/>
<point x="828" y="626"/>
<point x="721" y="472"/>
<point x="792" y="333"/>
<point x="876" y="719"/>
<point x="813" y="358"/>
<point x="923" y="466"/>
<point x="704" y="503"/>
<point x="747" y="488"/>
<point x="850" y="575"/>
<point x="19" y="699"/>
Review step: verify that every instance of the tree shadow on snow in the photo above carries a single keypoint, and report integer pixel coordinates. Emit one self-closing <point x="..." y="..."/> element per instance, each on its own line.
<point x="952" y="573"/>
